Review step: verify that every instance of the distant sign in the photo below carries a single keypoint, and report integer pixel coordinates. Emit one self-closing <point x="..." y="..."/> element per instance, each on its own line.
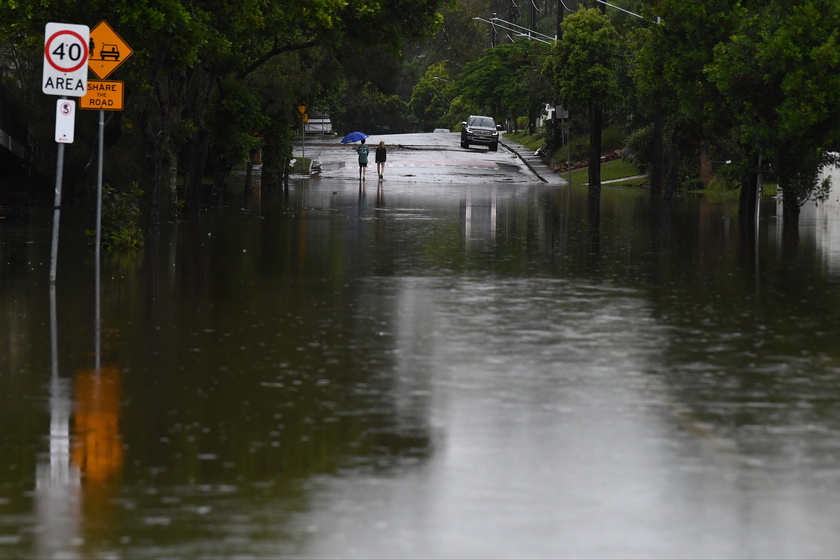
<point x="103" y="96"/>
<point x="65" y="59"/>
<point x="65" y="121"/>
<point x="107" y="50"/>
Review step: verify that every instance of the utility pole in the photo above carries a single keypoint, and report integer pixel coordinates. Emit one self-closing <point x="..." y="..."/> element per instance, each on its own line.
<point x="561" y="10"/>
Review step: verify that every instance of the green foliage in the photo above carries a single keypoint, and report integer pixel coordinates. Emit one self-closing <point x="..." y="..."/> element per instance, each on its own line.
<point x="459" y="39"/>
<point x="459" y="109"/>
<point x="121" y="218"/>
<point x="638" y="148"/>
<point x="780" y="71"/>
<point x="372" y="111"/>
<point x="584" y="60"/>
<point x="431" y="98"/>
<point x="235" y="115"/>
<point x="507" y="79"/>
<point x="727" y="178"/>
<point x="613" y="138"/>
<point x="688" y="175"/>
<point x="533" y="143"/>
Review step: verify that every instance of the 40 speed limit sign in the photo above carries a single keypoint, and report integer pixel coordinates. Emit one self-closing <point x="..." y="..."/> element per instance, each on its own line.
<point x="65" y="59"/>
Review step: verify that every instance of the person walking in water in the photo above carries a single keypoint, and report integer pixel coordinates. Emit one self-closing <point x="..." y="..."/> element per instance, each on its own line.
<point x="381" y="155"/>
<point x="363" y="151"/>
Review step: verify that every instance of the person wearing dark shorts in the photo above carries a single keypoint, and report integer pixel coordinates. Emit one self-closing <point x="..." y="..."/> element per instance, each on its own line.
<point x="381" y="155"/>
<point x="363" y="152"/>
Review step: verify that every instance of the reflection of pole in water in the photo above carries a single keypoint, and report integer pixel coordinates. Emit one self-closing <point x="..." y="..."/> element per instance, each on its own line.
<point x="480" y="217"/>
<point x="493" y="218"/>
<point x="468" y="221"/>
<point x="98" y="451"/>
<point x="57" y="485"/>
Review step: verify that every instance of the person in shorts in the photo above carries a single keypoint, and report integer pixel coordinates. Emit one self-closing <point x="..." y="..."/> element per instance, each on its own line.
<point x="381" y="155"/>
<point x="363" y="150"/>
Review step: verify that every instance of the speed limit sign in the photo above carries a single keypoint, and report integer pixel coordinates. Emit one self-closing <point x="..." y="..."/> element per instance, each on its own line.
<point x="65" y="59"/>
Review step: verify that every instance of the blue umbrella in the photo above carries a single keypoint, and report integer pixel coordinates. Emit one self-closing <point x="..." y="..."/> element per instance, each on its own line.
<point x="354" y="137"/>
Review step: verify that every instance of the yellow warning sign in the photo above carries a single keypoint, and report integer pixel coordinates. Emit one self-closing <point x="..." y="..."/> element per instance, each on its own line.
<point x="103" y="96"/>
<point x="106" y="50"/>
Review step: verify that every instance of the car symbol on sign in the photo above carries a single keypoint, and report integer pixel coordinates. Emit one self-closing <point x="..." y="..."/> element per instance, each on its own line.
<point x="109" y="52"/>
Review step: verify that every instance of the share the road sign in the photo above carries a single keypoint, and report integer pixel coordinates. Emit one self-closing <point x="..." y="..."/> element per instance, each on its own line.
<point x="104" y="96"/>
<point x="65" y="59"/>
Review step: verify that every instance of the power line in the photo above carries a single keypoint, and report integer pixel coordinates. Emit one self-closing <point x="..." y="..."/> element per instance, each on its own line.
<point x="567" y="8"/>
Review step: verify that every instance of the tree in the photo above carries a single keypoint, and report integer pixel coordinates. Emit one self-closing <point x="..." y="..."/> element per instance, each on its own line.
<point x="669" y="76"/>
<point x="781" y="71"/>
<point x="584" y="75"/>
<point x="507" y="80"/>
<point x="431" y="97"/>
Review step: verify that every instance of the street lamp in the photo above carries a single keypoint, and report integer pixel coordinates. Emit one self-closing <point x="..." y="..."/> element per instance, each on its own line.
<point x="442" y="79"/>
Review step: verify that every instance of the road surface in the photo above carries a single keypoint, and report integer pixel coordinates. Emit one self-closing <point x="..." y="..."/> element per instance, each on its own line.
<point x="422" y="157"/>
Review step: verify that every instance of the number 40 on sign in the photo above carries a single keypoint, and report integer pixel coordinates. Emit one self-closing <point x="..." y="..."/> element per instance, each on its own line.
<point x="65" y="59"/>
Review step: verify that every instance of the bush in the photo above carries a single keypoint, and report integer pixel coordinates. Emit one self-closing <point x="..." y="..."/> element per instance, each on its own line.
<point x="638" y="148"/>
<point x="612" y="138"/>
<point x="121" y="217"/>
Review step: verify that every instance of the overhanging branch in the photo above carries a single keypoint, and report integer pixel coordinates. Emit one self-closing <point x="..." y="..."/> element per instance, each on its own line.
<point x="277" y="50"/>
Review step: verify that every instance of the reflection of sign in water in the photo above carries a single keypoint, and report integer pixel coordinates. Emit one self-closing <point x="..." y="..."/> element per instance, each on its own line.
<point x="107" y="50"/>
<point x="97" y="451"/>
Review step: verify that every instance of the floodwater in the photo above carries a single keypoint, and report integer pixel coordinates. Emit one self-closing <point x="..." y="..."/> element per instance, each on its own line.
<point x="424" y="371"/>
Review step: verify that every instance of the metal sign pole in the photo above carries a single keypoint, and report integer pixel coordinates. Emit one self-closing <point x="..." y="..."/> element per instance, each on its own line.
<point x="98" y="250"/>
<point x="59" y="170"/>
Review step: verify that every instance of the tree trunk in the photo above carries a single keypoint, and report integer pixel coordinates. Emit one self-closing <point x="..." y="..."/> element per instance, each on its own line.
<point x="199" y="147"/>
<point x="746" y="200"/>
<point x="790" y="210"/>
<point x="155" y="159"/>
<point x="595" y="121"/>
<point x="790" y="220"/>
<point x="671" y="168"/>
<point x="658" y="168"/>
<point x="171" y="156"/>
<point x="749" y="190"/>
<point x="531" y="118"/>
<point x="220" y="175"/>
<point x="706" y="174"/>
<point x="249" y="173"/>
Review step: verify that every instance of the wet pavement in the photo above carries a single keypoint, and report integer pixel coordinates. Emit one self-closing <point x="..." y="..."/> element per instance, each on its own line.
<point x="444" y="369"/>
<point x="429" y="159"/>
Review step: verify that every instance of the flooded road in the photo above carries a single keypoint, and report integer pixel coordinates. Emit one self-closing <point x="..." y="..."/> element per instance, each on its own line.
<point x="423" y="371"/>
